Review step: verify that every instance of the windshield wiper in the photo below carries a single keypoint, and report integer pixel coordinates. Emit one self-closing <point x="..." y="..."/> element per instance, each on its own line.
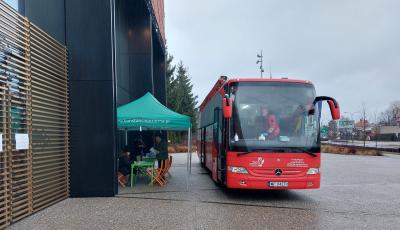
<point x="308" y="152"/>
<point x="264" y="150"/>
<point x="300" y="150"/>
<point x="282" y="149"/>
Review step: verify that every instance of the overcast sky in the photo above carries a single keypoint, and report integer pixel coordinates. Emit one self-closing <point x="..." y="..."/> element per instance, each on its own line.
<point x="350" y="50"/>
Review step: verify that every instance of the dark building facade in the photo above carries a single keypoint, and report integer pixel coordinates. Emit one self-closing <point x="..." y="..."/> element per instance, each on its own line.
<point x="116" y="52"/>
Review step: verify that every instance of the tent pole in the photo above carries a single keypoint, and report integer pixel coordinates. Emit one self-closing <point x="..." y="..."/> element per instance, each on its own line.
<point x="187" y="167"/>
<point x="190" y="150"/>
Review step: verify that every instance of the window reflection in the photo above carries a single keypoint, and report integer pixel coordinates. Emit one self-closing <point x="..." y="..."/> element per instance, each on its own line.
<point x="13" y="3"/>
<point x="273" y="114"/>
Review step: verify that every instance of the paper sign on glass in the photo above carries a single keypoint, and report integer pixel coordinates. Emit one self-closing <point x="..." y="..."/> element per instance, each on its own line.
<point x="21" y="141"/>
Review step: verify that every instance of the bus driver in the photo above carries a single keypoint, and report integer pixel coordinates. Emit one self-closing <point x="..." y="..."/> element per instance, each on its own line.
<point x="270" y="129"/>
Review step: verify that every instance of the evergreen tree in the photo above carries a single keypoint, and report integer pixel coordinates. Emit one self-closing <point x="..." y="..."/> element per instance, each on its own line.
<point x="171" y="92"/>
<point x="180" y="97"/>
<point x="185" y="99"/>
<point x="170" y="82"/>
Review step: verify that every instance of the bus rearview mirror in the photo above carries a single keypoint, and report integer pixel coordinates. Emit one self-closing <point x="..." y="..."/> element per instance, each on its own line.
<point x="335" y="110"/>
<point x="333" y="106"/>
<point x="227" y="107"/>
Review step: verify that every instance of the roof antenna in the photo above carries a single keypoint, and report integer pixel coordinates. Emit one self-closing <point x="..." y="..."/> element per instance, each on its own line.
<point x="260" y="60"/>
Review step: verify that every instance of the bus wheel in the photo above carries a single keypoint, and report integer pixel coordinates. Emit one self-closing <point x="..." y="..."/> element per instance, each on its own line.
<point x="219" y="184"/>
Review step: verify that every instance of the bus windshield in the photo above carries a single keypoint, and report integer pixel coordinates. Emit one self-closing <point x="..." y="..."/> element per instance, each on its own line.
<point x="273" y="115"/>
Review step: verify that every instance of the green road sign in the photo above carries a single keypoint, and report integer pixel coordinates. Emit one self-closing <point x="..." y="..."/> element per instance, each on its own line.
<point x="324" y="130"/>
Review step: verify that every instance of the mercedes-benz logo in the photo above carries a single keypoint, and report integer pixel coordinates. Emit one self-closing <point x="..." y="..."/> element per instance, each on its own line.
<point x="278" y="172"/>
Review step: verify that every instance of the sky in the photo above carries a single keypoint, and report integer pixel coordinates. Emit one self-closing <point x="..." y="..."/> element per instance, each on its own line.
<point x="350" y="50"/>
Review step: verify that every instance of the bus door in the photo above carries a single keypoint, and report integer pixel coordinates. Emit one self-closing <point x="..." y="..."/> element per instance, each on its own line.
<point x="217" y="134"/>
<point x="203" y="146"/>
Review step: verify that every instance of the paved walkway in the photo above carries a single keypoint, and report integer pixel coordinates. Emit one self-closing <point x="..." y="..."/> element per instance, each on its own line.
<point x="358" y="192"/>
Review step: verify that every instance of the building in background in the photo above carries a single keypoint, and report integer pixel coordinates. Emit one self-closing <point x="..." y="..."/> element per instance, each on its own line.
<point x="333" y="129"/>
<point x="388" y="133"/>
<point x="116" y="54"/>
<point x="346" y="129"/>
<point x="363" y="129"/>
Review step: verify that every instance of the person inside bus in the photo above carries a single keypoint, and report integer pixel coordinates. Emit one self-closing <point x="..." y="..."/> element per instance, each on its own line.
<point x="233" y="93"/>
<point x="298" y="120"/>
<point x="268" y="121"/>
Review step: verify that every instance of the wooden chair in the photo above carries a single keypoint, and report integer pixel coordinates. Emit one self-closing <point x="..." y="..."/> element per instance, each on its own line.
<point x="166" y="167"/>
<point x="122" y="180"/>
<point x="159" y="174"/>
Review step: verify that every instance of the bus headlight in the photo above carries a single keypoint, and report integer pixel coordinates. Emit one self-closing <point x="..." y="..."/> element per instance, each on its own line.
<point x="237" y="169"/>
<point x="313" y="171"/>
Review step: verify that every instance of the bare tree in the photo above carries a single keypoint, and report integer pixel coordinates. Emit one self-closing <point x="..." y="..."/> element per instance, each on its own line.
<point x="391" y="114"/>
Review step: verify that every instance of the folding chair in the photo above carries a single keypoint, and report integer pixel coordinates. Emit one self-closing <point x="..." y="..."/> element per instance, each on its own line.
<point x="158" y="175"/>
<point x="122" y="180"/>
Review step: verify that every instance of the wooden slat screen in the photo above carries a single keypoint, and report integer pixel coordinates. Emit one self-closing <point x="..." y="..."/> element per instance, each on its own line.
<point x="49" y="119"/>
<point x="15" y="108"/>
<point x="33" y="102"/>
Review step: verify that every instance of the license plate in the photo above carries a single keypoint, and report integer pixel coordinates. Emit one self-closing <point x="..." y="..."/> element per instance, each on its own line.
<point x="277" y="184"/>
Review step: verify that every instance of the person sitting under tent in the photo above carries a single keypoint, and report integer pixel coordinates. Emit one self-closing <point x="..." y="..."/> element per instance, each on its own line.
<point x="162" y="148"/>
<point x="138" y="146"/>
<point x="124" y="164"/>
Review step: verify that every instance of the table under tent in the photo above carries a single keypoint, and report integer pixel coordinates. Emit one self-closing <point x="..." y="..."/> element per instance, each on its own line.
<point x="148" y="114"/>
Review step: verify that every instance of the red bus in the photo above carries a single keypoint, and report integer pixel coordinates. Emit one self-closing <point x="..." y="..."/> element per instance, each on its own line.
<point x="262" y="133"/>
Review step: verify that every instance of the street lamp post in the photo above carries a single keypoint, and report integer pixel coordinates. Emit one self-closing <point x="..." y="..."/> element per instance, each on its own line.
<point x="364" y="123"/>
<point x="376" y="131"/>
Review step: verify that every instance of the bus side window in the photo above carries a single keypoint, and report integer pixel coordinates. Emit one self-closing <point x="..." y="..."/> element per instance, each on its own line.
<point x="216" y="128"/>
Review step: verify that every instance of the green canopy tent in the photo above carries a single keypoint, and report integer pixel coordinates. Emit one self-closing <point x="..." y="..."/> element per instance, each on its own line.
<point x="147" y="113"/>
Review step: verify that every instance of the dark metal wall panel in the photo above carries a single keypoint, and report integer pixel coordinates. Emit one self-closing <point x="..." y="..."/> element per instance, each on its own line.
<point x="159" y="71"/>
<point x="134" y="50"/>
<point x="49" y="15"/>
<point x="89" y="39"/>
<point x="92" y="139"/>
<point x="122" y="56"/>
<point x="140" y="77"/>
<point x="92" y="93"/>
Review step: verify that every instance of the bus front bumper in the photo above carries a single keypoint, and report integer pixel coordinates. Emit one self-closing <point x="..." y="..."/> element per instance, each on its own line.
<point x="246" y="181"/>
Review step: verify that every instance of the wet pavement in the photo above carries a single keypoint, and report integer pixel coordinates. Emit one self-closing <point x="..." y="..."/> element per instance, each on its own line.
<point x="357" y="192"/>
